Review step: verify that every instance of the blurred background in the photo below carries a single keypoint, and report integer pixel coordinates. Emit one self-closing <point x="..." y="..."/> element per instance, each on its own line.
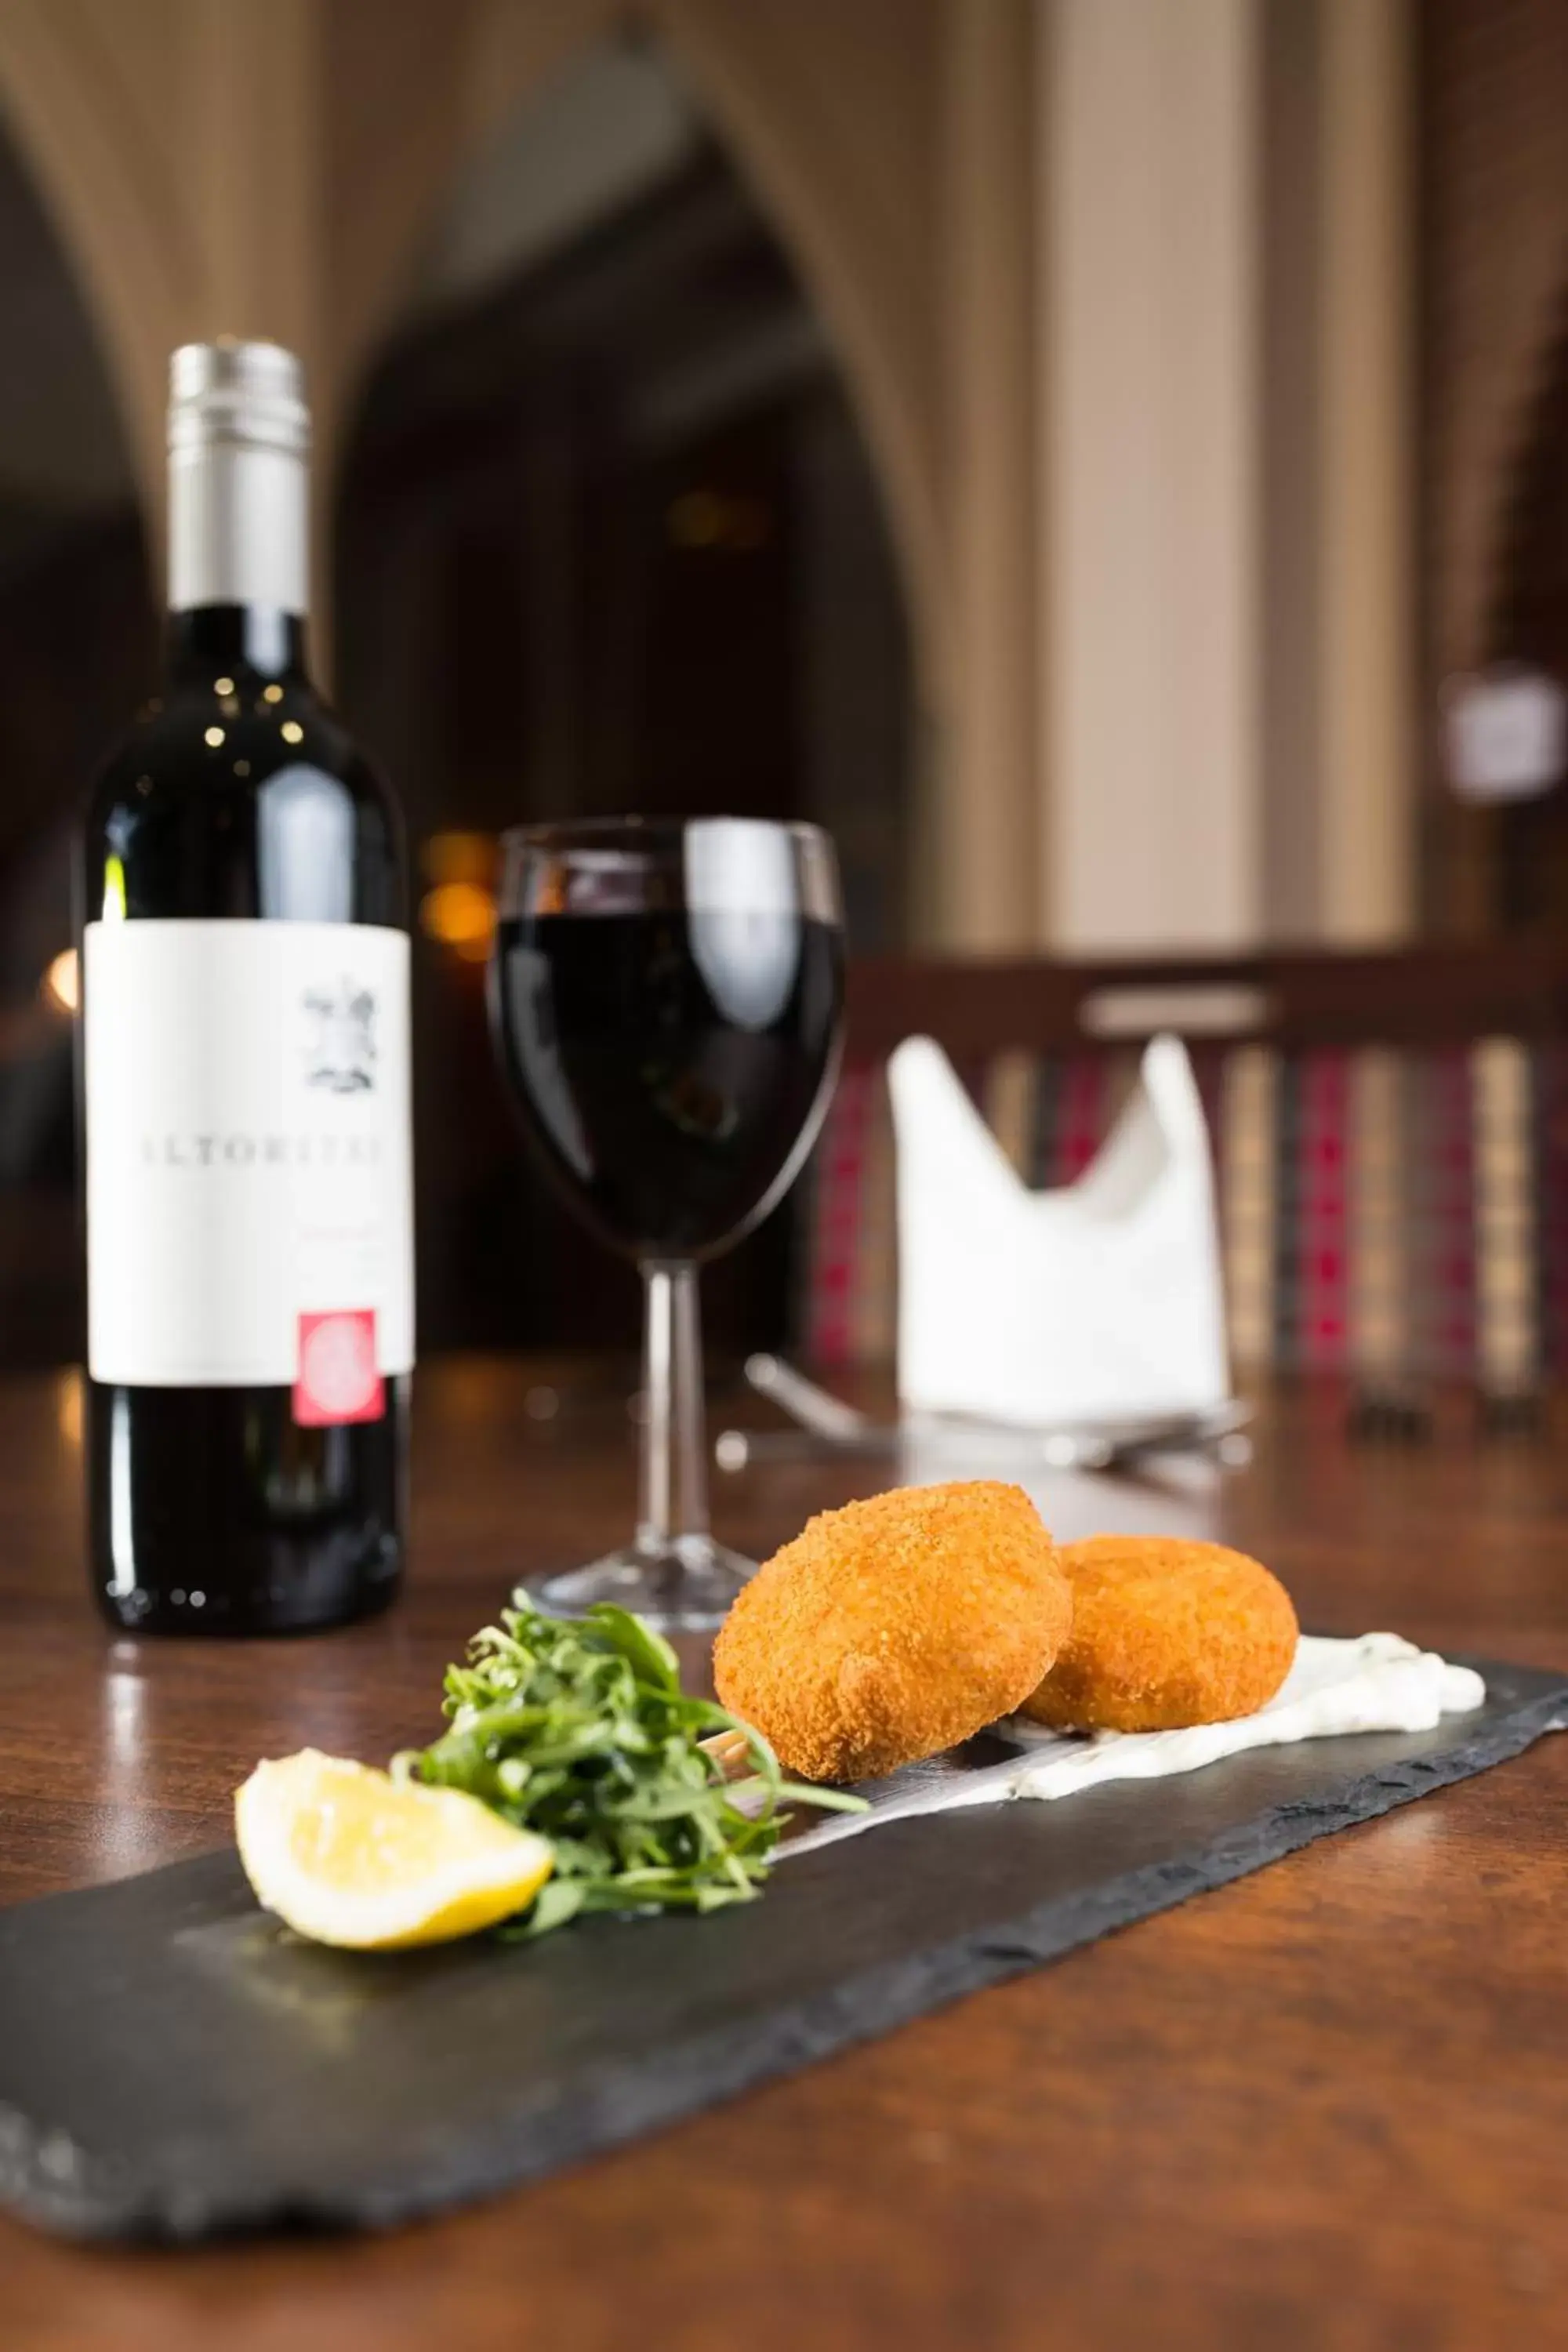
<point x="1106" y="459"/>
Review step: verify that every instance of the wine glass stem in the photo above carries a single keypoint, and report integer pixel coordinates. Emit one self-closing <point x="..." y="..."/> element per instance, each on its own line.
<point x="673" y="1501"/>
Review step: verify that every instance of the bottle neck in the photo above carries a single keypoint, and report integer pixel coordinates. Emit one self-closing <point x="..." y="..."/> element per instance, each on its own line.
<point x="248" y="642"/>
<point x="237" y="537"/>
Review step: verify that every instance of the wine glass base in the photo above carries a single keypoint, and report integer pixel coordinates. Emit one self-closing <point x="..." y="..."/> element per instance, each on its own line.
<point x="684" y="1586"/>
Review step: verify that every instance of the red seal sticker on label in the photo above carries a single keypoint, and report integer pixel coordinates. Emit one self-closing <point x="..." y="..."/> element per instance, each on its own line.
<point x="339" y="1379"/>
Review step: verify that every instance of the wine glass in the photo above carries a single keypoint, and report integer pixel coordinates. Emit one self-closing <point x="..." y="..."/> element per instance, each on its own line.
<point x="667" y="998"/>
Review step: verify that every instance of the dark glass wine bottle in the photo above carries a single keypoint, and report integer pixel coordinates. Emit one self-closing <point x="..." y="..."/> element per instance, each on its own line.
<point x="245" y="1079"/>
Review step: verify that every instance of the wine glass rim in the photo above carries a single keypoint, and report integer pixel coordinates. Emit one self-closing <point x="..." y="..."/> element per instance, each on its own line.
<point x="626" y="832"/>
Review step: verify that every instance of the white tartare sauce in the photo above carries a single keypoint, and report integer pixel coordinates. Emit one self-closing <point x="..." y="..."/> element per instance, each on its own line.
<point x="1377" y="1682"/>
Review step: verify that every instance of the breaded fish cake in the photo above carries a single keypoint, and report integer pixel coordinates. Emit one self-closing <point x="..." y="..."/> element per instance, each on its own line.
<point x="892" y="1628"/>
<point x="1165" y="1633"/>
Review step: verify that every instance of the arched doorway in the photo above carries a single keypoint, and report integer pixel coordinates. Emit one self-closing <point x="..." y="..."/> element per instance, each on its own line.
<point x="76" y="644"/>
<point x="608" y="538"/>
<point x="1527" y="625"/>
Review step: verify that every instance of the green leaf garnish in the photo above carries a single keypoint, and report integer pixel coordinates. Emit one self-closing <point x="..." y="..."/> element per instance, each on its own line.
<point x="578" y="1729"/>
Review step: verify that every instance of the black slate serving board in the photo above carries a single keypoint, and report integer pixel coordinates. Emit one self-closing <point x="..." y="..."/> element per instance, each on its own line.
<point x="172" y="2064"/>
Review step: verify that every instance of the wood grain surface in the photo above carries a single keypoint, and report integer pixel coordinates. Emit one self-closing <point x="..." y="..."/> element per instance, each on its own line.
<point x="1326" y="2106"/>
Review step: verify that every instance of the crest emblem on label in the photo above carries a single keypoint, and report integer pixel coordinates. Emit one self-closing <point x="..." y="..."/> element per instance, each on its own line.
<point x="339" y="1378"/>
<point x="340" y="1048"/>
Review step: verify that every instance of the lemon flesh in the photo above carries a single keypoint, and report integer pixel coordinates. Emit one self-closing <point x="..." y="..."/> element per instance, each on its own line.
<point x="347" y="1856"/>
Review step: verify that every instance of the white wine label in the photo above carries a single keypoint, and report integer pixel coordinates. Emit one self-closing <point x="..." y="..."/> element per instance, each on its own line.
<point x="249" y="1197"/>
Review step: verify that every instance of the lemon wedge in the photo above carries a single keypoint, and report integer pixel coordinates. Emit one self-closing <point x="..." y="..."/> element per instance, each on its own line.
<point x="347" y="1856"/>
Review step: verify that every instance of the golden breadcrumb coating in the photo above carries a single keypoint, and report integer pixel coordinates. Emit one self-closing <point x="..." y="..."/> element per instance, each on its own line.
<point x="1165" y="1633"/>
<point x="895" y="1627"/>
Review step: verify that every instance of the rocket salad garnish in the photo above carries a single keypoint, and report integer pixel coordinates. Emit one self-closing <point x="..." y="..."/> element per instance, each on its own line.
<point x="579" y="1729"/>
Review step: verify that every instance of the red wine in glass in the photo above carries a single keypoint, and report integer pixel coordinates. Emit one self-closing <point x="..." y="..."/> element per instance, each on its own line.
<point x="667" y="998"/>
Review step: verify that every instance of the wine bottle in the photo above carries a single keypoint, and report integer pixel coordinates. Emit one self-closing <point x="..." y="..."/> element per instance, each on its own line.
<point x="245" y="1079"/>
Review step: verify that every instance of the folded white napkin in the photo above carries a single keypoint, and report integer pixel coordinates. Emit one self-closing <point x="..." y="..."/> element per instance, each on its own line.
<point x="1376" y="1684"/>
<point x="1100" y="1300"/>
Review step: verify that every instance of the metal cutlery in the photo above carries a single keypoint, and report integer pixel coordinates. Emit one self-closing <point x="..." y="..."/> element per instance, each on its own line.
<point x="824" y="1422"/>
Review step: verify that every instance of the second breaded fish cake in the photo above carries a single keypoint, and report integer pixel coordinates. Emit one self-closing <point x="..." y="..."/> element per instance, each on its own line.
<point x="895" y="1627"/>
<point x="1165" y="1633"/>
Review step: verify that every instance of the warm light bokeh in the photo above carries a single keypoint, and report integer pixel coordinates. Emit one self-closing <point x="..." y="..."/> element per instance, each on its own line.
<point x="61" y="983"/>
<point x="462" y="917"/>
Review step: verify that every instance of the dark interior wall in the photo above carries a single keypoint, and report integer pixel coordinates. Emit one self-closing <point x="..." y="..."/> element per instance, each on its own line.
<point x="77" y="643"/>
<point x="1491" y="100"/>
<point x="1528" y="623"/>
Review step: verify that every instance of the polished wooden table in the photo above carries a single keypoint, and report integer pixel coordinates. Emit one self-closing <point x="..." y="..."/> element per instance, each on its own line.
<point x="1325" y="2107"/>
